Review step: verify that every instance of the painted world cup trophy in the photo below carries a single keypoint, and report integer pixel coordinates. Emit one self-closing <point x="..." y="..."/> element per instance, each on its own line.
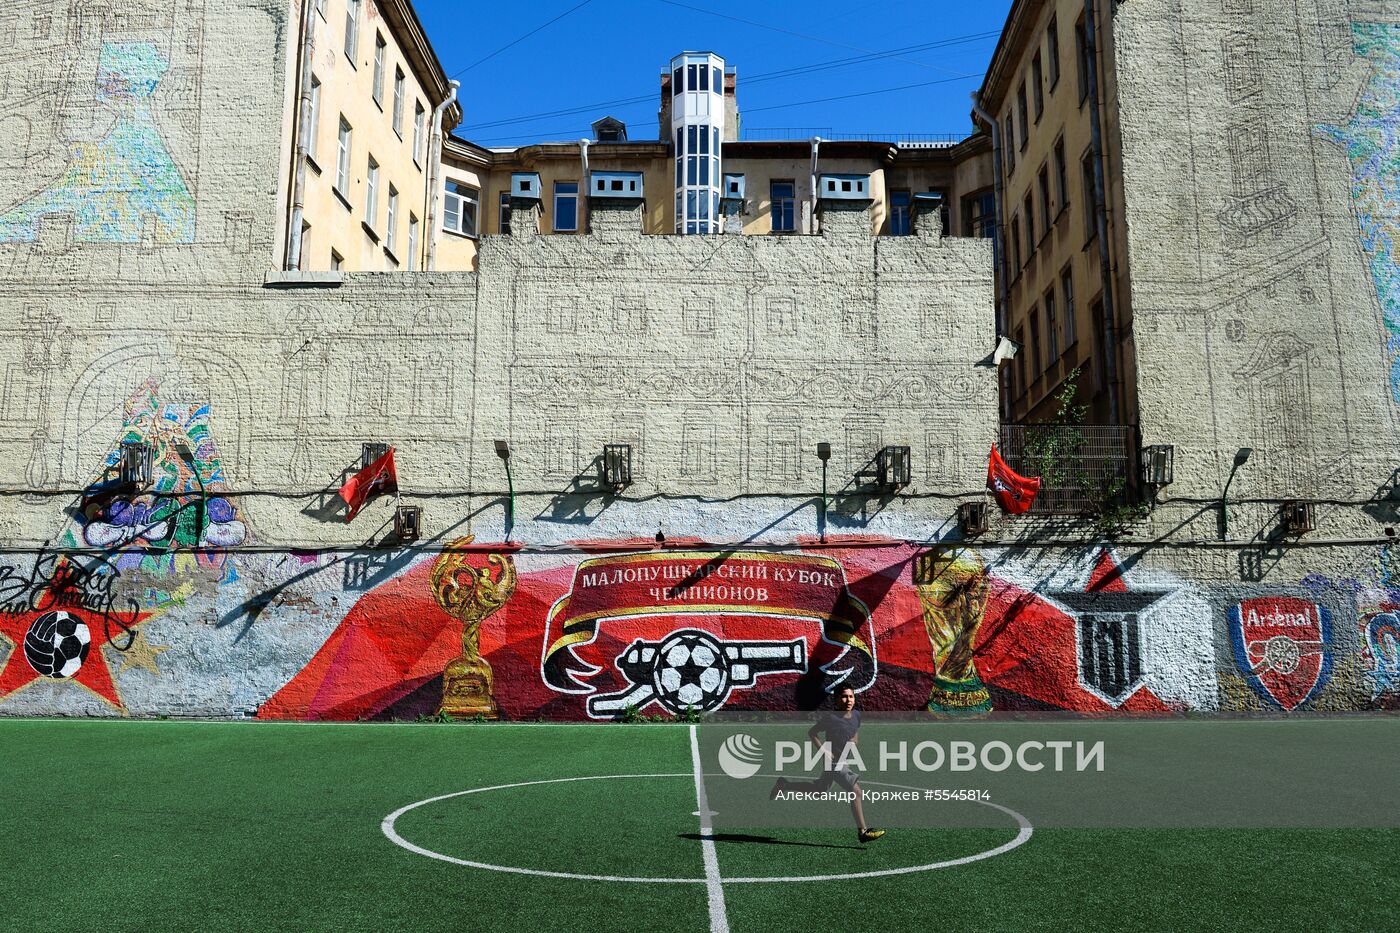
<point x="953" y="590"/>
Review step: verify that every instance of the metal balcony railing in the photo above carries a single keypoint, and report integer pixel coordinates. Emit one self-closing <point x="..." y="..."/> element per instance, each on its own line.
<point x="1084" y="469"/>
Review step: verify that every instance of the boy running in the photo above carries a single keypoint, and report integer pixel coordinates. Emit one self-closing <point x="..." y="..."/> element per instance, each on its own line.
<point x="841" y="729"/>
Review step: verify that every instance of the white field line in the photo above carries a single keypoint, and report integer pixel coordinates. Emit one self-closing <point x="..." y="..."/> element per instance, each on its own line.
<point x="714" y="884"/>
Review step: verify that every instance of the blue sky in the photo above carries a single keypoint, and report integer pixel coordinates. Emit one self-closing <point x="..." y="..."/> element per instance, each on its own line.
<point x="604" y="51"/>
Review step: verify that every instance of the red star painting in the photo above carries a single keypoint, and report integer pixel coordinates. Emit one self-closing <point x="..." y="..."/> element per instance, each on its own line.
<point x="64" y="642"/>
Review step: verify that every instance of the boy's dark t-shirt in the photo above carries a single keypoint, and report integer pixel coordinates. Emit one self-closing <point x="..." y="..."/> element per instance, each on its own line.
<point x="839" y="730"/>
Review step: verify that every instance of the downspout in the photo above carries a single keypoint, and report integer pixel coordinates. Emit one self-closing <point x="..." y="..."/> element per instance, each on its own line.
<point x="435" y="172"/>
<point x="998" y="252"/>
<point x="583" y="224"/>
<point x="812" y="180"/>
<point x="1110" y="363"/>
<point x="302" y="125"/>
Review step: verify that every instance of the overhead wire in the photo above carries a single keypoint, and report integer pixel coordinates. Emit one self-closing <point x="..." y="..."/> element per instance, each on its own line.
<point x="755" y="79"/>
<point x="517" y="41"/>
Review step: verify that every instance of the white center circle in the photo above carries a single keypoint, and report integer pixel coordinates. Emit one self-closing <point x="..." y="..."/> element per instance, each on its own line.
<point x="388" y="826"/>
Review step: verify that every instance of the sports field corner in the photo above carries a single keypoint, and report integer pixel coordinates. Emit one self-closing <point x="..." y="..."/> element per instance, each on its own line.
<point x="141" y="825"/>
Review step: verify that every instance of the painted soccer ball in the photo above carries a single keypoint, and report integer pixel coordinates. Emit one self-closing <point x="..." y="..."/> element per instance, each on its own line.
<point x="57" y="644"/>
<point x="691" y="672"/>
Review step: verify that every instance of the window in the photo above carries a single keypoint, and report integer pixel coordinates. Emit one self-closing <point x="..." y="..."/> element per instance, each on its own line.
<point x="337" y="261"/>
<point x="313" y="120"/>
<point x="398" y="102"/>
<point x="391" y="219"/>
<point x="1021" y="361"/>
<point x="1087" y="178"/>
<point x="1029" y="217"/>
<point x="304" y="258"/>
<point x="379" y="70"/>
<point x="419" y="118"/>
<point x="342" y="160"/>
<point x="1025" y="117"/>
<point x="1052" y="330"/>
<point x="979" y="214"/>
<point x="1061" y="176"/>
<point x="678" y="81"/>
<point x="1081" y="51"/>
<point x="504" y="210"/>
<point x="1013" y="242"/>
<point x="1067" y="293"/>
<point x="412" y="242"/>
<point x="371" y="191"/>
<point x="1033" y="348"/>
<point x="1008" y="144"/>
<point x="459" y="208"/>
<point x="899" y="213"/>
<point x="1052" y="46"/>
<point x="565" y="206"/>
<point x="352" y="29"/>
<point x="1044" y="200"/>
<point x="782" y="194"/>
<point x="321" y="8"/>
<point x="1038" y="86"/>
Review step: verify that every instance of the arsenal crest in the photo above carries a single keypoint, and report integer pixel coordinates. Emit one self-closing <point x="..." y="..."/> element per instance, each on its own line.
<point x="1281" y="646"/>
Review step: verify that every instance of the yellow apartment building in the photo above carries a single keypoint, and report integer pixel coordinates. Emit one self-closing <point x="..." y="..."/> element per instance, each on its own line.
<point x="1063" y="291"/>
<point x="371" y="104"/>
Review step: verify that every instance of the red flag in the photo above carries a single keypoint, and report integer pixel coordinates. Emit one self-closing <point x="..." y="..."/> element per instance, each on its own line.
<point x="379" y="476"/>
<point x="1014" y="493"/>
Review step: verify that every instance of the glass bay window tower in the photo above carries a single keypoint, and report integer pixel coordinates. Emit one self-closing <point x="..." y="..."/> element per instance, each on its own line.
<point x="697" y="130"/>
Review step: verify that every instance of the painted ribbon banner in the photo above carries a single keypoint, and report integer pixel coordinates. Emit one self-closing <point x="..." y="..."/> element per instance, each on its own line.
<point x="696" y="625"/>
<point x="1281" y="645"/>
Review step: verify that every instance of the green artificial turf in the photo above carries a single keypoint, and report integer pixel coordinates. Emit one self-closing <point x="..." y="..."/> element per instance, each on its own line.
<point x="264" y="826"/>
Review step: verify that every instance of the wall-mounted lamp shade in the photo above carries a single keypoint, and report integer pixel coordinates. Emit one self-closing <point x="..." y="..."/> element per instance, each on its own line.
<point x="372" y="452"/>
<point x="503" y="450"/>
<point x="972" y="518"/>
<point x="408" y="522"/>
<point x="1157" y="464"/>
<point x="134" y="466"/>
<point x="617" y="466"/>
<point x="823" y="451"/>
<point x="1242" y="455"/>
<point x="893" y="467"/>
<point x="1297" y="517"/>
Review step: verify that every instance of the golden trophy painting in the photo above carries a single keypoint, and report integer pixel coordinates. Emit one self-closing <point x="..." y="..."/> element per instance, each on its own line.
<point x="953" y="588"/>
<point x="470" y="594"/>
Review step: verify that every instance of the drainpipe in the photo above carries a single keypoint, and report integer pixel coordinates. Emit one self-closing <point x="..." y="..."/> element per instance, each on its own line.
<point x="1003" y="275"/>
<point x="435" y="172"/>
<point x="1110" y="362"/>
<point x="583" y="224"/>
<point x="812" y="209"/>
<point x="303" y="124"/>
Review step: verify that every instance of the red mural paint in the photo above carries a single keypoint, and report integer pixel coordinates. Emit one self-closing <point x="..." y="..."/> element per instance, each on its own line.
<point x="665" y="630"/>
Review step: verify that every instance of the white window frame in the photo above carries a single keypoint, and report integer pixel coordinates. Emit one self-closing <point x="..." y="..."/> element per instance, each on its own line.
<point x="371" y="190"/>
<point x="455" y="202"/>
<point x="391" y="218"/>
<point x="398" y="100"/>
<point x="554" y="218"/>
<point x="313" y="123"/>
<point x="352" y="30"/>
<point x="412" y="242"/>
<point x="420" y="117"/>
<point x="346" y="140"/>
<point x="378" y="88"/>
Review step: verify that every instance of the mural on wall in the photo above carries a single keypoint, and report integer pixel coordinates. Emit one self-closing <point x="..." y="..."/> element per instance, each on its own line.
<point x="1283" y="647"/>
<point x="1382" y="648"/>
<point x="1372" y="142"/>
<point x="118" y="184"/>
<point x="182" y="509"/>
<point x="671" y="630"/>
<point x="58" y="618"/>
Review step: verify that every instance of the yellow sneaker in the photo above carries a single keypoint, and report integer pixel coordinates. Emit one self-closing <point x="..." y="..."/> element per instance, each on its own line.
<point x="869" y="835"/>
